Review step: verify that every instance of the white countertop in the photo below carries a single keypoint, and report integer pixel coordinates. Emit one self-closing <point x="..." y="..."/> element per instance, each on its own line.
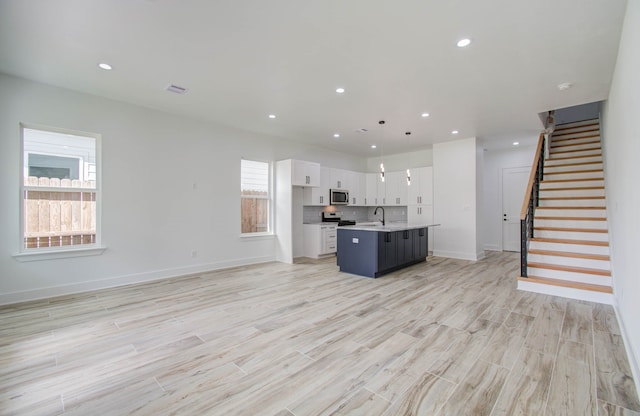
<point x="377" y="226"/>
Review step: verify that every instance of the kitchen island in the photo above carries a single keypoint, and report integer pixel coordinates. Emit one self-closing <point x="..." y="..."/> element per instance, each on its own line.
<point x="375" y="250"/>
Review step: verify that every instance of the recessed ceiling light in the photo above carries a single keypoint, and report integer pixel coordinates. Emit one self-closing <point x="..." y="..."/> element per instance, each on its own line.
<point x="424" y="115"/>
<point x="336" y="135"/>
<point x="454" y="131"/>
<point x="272" y="116"/>
<point x="463" y="42"/>
<point x="339" y="90"/>
<point x="373" y="146"/>
<point x="565" y="86"/>
<point x="105" y="66"/>
<point x="516" y="143"/>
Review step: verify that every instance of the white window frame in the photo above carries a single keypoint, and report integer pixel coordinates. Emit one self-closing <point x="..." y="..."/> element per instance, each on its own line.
<point x="48" y="253"/>
<point x="269" y="198"/>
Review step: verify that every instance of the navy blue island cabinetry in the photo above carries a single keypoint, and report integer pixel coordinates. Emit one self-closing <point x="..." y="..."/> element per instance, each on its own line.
<point x="374" y="251"/>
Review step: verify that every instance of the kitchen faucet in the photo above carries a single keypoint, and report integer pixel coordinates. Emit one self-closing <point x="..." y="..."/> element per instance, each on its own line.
<point x="376" y="212"/>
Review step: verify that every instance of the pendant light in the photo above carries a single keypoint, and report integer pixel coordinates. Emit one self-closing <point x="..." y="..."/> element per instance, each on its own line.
<point x="381" y="122"/>
<point x="408" y="133"/>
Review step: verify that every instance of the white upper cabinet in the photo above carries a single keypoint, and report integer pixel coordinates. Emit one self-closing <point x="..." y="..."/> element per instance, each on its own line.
<point x="305" y="173"/>
<point x="357" y="188"/>
<point x="319" y="195"/>
<point x="396" y="188"/>
<point x="371" y="189"/>
<point x="421" y="188"/>
<point x="339" y="178"/>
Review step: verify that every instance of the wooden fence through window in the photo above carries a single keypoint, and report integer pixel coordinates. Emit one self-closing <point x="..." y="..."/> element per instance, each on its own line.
<point x="254" y="212"/>
<point x="62" y="217"/>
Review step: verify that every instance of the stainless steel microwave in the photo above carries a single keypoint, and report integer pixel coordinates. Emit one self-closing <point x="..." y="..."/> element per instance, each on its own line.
<point x="338" y="197"/>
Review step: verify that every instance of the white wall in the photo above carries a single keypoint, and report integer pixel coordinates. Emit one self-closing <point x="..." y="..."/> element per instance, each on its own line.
<point x="494" y="162"/>
<point x="402" y="161"/>
<point x="455" y="197"/>
<point x="621" y="149"/>
<point x="152" y="217"/>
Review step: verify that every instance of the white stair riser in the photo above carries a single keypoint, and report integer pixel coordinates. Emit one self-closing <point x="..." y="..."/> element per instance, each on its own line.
<point x="552" y="212"/>
<point x="581" y="137"/>
<point x="593" y="152"/>
<point x="572" y="235"/>
<point x="553" y="169"/>
<point x="571" y="184"/>
<point x="569" y="261"/>
<point x="598" y="225"/>
<point x="573" y="148"/>
<point x="552" y="162"/>
<point x="576" y="175"/>
<point x="569" y="248"/>
<point x="572" y="202"/>
<point x="574" y="277"/>
<point x="546" y="193"/>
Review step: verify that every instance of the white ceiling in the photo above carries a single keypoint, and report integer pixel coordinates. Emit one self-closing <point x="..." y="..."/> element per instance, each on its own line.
<point x="242" y="60"/>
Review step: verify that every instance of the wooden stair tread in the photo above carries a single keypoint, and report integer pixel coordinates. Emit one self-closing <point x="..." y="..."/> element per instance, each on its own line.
<point x="572" y="125"/>
<point x="567" y="283"/>
<point x="572" y="218"/>
<point x="564" y="165"/>
<point x="575" y="171"/>
<point x="555" y="138"/>
<point x="572" y="269"/>
<point x="569" y="241"/>
<point x="569" y="229"/>
<point x="569" y="254"/>
<point x="579" y="150"/>
<point x="563" y="207"/>
<point x="577" y="188"/>
<point x="569" y="198"/>
<point x="574" y="144"/>
<point x="571" y="157"/>
<point x="571" y="180"/>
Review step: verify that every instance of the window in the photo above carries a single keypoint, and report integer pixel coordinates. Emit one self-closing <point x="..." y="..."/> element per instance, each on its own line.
<point x="255" y="198"/>
<point x="60" y="189"/>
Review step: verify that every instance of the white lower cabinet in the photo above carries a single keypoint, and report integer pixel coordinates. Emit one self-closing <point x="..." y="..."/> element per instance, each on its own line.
<point x="320" y="240"/>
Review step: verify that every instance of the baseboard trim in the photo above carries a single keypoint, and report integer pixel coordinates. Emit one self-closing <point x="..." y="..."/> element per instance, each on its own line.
<point x="459" y="255"/>
<point x="492" y="247"/>
<point x="111" y="282"/>
<point x="633" y="360"/>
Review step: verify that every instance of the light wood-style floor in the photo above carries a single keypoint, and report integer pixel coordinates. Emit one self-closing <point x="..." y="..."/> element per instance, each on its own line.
<point x="447" y="337"/>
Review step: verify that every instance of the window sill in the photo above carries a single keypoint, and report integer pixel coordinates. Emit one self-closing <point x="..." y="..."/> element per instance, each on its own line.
<point x="38" y="255"/>
<point x="257" y="236"/>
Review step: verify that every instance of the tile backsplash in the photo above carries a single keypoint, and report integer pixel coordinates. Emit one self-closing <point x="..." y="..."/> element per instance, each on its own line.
<point x="312" y="214"/>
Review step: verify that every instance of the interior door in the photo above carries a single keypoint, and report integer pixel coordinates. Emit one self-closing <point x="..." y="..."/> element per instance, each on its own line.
<point x="514" y="184"/>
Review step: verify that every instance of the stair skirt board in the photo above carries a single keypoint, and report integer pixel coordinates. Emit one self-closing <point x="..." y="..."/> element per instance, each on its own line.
<point x="594" y="212"/>
<point x="559" y="289"/>
<point x="535" y="258"/>
<point x="585" y="248"/>
<point x="571" y="235"/>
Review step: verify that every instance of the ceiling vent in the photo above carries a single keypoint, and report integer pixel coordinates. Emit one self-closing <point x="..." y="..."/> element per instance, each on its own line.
<point x="176" y="89"/>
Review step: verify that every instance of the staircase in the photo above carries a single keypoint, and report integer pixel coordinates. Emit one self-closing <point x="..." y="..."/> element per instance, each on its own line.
<point x="569" y="253"/>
